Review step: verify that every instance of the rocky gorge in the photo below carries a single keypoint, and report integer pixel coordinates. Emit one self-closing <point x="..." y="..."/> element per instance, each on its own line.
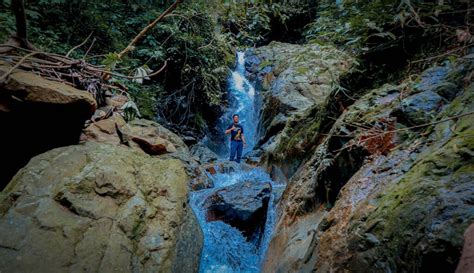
<point x="388" y="188"/>
<point x="339" y="174"/>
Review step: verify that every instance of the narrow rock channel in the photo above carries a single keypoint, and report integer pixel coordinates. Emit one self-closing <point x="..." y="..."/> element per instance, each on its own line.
<point x="237" y="214"/>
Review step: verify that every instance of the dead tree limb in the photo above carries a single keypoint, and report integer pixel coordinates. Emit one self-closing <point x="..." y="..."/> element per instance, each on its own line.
<point x="5" y="76"/>
<point x="79" y="45"/>
<point x="147" y="28"/>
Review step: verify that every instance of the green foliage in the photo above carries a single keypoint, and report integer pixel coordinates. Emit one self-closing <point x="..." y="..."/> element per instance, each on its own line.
<point x="197" y="67"/>
<point x="111" y="60"/>
<point x="193" y="81"/>
<point x="349" y="23"/>
<point x="256" y="22"/>
<point x="7" y="25"/>
<point x="362" y="25"/>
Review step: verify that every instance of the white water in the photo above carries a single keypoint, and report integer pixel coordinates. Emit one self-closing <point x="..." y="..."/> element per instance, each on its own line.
<point x="243" y="101"/>
<point x="225" y="248"/>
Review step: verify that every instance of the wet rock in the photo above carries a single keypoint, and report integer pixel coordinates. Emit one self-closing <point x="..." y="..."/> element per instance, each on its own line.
<point x="432" y="77"/>
<point x="227" y="167"/>
<point x="421" y="108"/>
<point x="203" y="154"/>
<point x="98" y="208"/>
<point x="253" y="160"/>
<point x="292" y="246"/>
<point x="189" y="140"/>
<point x="255" y="153"/>
<point x="37" y="115"/>
<point x="210" y="169"/>
<point x="254" y="157"/>
<point x="243" y="206"/>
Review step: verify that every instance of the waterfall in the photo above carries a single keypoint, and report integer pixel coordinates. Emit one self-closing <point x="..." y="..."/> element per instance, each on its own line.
<point x="243" y="101"/>
<point x="225" y="247"/>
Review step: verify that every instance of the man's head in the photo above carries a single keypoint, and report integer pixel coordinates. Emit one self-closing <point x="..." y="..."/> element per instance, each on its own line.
<point x="235" y="118"/>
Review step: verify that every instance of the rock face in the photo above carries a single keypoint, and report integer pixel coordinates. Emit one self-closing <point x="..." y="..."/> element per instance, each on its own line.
<point x="145" y="135"/>
<point x="98" y="208"/>
<point x="37" y="115"/>
<point x="384" y="196"/>
<point x="148" y="137"/>
<point x="420" y="108"/>
<point x="203" y="154"/>
<point x="293" y="78"/>
<point x="243" y="206"/>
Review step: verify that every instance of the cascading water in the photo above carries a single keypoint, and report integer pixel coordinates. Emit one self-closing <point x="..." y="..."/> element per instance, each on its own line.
<point x="244" y="102"/>
<point x="226" y="249"/>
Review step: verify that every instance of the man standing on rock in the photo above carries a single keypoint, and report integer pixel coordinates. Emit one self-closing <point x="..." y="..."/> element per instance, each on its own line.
<point x="237" y="139"/>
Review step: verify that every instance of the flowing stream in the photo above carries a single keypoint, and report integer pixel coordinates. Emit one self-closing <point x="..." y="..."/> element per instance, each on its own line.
<point x="226" y="249"/>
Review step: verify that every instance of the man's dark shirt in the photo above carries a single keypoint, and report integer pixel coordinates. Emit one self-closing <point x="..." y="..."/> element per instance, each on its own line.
<point x="236" y="134"/>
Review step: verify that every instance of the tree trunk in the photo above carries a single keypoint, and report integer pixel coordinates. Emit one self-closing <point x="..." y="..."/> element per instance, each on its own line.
<point x="21" y="35"/>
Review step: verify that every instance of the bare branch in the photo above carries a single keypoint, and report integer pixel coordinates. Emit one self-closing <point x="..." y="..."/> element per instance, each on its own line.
<point x="147" y="28"/>
<point x="5" y="76"/>
<point x="79" y="45"/>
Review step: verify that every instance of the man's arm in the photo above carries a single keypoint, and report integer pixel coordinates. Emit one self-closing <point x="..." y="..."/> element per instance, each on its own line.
<point x="229" y="129"/>
<point x="243" y="139"/>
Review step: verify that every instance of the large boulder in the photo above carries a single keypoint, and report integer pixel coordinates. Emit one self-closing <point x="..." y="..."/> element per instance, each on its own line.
<point x="98" y="208"/>
<point x="36" y="115"/>
<point x="148" y="137"/>
<point x="292" y="78"/>
<point x="140" y="134"/>
<point x="242" y="205"/>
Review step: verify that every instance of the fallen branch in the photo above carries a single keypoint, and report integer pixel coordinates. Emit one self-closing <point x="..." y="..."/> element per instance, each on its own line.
<point x="147" y="28"/>
<point x="79" y="45"/>
<point x="5" y="76"/>
<point x="441" y="55"/>
<point x="89" y="49"/>
<point x="132" y="77"/>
